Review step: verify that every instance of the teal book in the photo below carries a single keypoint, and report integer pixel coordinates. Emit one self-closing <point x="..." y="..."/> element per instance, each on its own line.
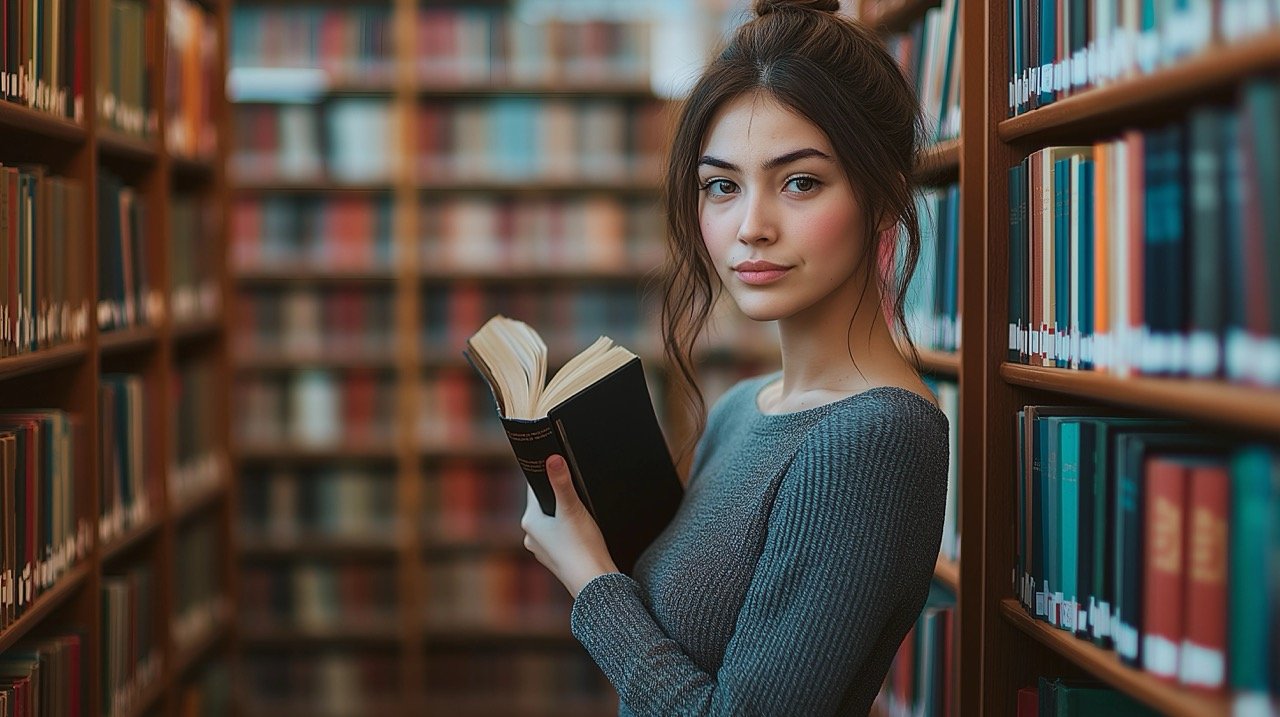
<point x="1085" y="283"/>
<point x="1051" y="476"/>
<point x="1069" y="519"/>
<point x="1081" y="699"/>
<point x="1255" y="507"/>
<point x="1262" y="107"/>
<point x="1206" y="250"/>
<point x="1017" y="263"/>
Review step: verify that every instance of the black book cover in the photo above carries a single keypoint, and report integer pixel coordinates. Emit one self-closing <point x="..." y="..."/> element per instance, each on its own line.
<point x="609" y="435"/>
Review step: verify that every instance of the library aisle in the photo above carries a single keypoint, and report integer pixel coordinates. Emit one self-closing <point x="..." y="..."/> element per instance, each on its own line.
<point x="246" y="470"/>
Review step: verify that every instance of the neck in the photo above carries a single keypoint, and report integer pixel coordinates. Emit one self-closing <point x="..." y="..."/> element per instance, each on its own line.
<point x="820" y="347"/>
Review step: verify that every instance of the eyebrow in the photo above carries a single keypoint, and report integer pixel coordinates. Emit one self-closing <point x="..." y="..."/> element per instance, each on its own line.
<point x="774" y="163"/>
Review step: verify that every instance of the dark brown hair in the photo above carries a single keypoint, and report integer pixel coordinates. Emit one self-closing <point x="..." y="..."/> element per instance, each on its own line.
<point x="833" y="71"/>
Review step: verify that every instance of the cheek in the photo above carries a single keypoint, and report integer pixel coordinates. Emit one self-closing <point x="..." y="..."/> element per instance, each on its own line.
<point x="834" y="233"/>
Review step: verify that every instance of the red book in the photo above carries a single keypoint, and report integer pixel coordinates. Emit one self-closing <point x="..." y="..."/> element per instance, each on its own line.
<point x="1163" y="559"/>
<point x="1136" y="193"/>
<point x="1028" y="702"/>
<point x="1204" y="646"/>
<point x="1035" y="221"/>
<point x="904" y="669"/>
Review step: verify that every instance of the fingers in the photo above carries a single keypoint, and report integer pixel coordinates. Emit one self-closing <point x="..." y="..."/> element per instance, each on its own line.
<point x="561" y="483"/>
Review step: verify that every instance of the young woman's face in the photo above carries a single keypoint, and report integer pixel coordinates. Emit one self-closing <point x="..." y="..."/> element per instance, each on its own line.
<point x="779" y="218"/>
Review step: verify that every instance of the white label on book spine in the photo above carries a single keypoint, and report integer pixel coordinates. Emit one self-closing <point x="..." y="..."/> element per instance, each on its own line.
<point x="1080" y="69"/>
<point x="1126" y="637"/>
<point x="1237" y="354"/>
<point x="1082" y="619"/>
<point x="1160" y="655"/>
<point x="1204" y="354"/>
<point x="1102" y="620"/>
<point x="1067" y="611"/>
<point x="1201" y="666"/>
<point x="1041" y="605"/>
<point x="1252" y="704"/>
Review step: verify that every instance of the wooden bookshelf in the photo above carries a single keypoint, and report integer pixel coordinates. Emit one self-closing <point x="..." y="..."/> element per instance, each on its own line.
<point x="939" y="163"/>
<point x="947" y="572"/>
<point x="69" y="377"/>
<point x="941" y="363"/>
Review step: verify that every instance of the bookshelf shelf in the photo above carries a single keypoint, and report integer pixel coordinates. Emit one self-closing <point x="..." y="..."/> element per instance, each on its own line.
<point x="118" y="145"/>
<point x="143" y="700"/>
<point x="1104" y="109"/>
<point x="350" y="635"/>
<point x="474" y="450"/>
<point x="493" y="541"/>
<point x="16" y="117"/>
<point x="943" y="363"/>
<point x="613" y="90"/>
<point x="1169" y="699"/>
<point x="123" y="545"/>
<point x="939" y="163"/>
<point x="534" y="630"/>
<point x="190" y="654"/>
<point x="189" y="168"/>
<point x="1229" y="404"/>
<point x="46" y="603"/>
<point x="321" y="546"/>
<point x="128" y="340"/>
<point x="193" y="505"/>
<point x="519" y="275"/>
<point x="267" y="185"/>
<point x="195" y="330"/>
<point x="315" y="276"/>
<point x="947" y="572"/>
<point x="284" y="361"/>
<point x="537" y="187"/>
<point x="285" y="452"/>
<point x="895" y="15"/>
<point x="44" y="360"/>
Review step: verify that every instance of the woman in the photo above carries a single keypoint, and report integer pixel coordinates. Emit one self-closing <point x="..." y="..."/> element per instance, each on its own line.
<point x="804" y="546"/>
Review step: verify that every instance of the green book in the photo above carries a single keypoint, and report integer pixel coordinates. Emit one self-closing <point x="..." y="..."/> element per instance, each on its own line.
<point x="1254" y="504"/>
<point x="1083" y="700"/>
<point x="1069" y="519"/>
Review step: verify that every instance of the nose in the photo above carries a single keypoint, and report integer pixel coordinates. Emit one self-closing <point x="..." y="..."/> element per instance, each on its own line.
<point x="759" y="221"/>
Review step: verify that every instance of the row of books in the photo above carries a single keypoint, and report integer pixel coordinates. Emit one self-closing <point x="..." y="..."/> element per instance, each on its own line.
<point x="312" y="596"/>
<point x="198" y="462"/>
<point x="198" y="591"/>
<point x="465" y="501"/>
<point x="597" y="233"/>
<point x="194" y="257"/>
<point x="1155" y="253"/>
<point x="124" y="69"/>
<point x="296" y="503"/>
<point x="1147" y="538"/>
<point x="192" y="79"/>
<point x="1059" y="48"/>
<point x="44" y="532"/>
<point x="44" y="677"/>
<point x="922" y="679"/>
<point x="453" y="46"/>
<point x="131" y="654"/>
<point x="126" y="296"/>
<point x="307" y="322"/>
<point x="930" y="54"/>
<point x="570" y="317"/>
<point x="43" y="294"/>
<point x="932" y="306"/>
<point x="494" y="591"/>
<point x="126" y="482"/>
<point x="317" y="408"/>
<point x="301" y="232"/>
<point x="42" y="57"/>
<point x="509" y="139"/>
<point x="1063" y="697"/>
<point x="325" y="682"/>
<point x="543" y="680"/>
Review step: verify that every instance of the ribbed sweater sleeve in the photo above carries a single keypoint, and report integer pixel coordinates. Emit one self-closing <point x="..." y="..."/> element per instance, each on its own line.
<point x="847" y="545"/>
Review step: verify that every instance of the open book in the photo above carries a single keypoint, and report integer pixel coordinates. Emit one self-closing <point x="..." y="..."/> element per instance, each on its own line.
<point x="596" y="412"/>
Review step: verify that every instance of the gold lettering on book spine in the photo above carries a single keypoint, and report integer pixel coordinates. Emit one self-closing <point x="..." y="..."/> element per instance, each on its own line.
<point x="1166" y="534"/>
<point x="1208" y="547"/>
<point x="539" y="435"/>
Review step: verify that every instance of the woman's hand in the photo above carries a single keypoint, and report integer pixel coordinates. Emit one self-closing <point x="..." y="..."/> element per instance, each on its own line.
<point x="568" y="543"/>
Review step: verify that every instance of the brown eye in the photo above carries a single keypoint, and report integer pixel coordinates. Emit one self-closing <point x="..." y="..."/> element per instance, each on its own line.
<point x="803" y="184"/>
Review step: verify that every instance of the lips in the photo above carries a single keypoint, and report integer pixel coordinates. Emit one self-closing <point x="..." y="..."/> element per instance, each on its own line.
<point x="757" y="273"/>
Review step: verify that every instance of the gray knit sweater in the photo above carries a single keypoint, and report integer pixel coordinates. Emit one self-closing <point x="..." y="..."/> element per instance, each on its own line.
<point x="800" y="557"/>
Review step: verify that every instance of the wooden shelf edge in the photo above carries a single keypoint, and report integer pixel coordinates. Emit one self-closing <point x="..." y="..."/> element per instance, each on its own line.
<point x="248" y="362"/>
<point x="190" y="654"/>
<point x="14" y="116"/>
<point x="1237" y="405"/>
<point x="940" y="362"/>
<point x="193" y="505"/>
<point x="947" y="572"/>
<point x="192" y="330"/>
<point x="192" y="168"/>
<point x="112" y="143"/>
<point x="46" y="603"/>
<point x="939" y="162"/>
<point x="316" y="546"/>
<point x="286" y="452"/>
<point x="142" y="703"/>
<point x="138" y="534"/>
<point x="127" y="340"/>
<point x="328" y="276"/>
<point x="292" y="637"/>
<point x="1220" y="66"/>
<point x="43" y="360"/>
<point x="1169" y="699"/>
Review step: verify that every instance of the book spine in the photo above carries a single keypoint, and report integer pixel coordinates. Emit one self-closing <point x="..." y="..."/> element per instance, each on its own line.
<point x="533" y="442"/>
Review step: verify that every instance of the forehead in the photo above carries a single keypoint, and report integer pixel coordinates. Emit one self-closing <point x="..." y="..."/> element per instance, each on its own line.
<point x="755" y="127"/>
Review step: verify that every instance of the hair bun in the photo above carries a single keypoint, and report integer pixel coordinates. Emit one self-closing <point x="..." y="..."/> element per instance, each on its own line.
<point x="764" y="7"/>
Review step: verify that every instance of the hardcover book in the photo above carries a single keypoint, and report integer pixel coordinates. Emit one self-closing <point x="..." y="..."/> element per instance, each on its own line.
<point x="597" y="414"/>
